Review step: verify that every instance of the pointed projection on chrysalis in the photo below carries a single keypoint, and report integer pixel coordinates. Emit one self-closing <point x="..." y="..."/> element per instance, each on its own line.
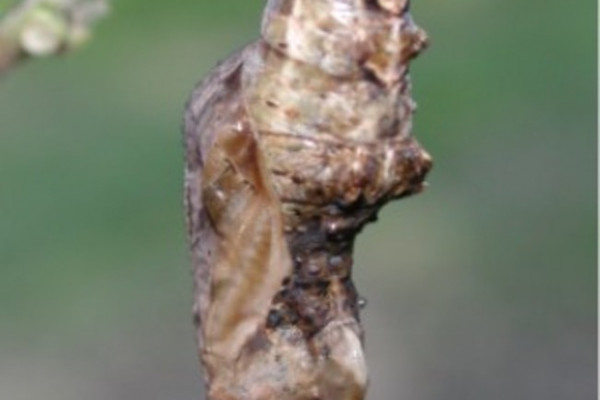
<point x="292" y="145"/>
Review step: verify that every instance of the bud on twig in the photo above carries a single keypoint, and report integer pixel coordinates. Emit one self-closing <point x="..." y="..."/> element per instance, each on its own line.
<point x="40" y="28"/>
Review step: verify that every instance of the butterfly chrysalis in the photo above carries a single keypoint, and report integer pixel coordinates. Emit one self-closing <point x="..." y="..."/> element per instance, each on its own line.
<point x="292" y="145"/>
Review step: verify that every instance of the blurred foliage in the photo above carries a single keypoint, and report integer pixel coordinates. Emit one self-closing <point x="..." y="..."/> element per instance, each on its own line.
<point x="482" y="287"/>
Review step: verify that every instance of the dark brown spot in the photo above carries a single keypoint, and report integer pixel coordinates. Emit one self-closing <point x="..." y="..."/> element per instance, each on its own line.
<point x="297" y="179"/>
<point x="196" y="318"/>
<point x="274" y="319"/>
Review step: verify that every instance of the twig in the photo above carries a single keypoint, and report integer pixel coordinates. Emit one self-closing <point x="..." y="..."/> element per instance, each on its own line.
<point x="41" y="28"/>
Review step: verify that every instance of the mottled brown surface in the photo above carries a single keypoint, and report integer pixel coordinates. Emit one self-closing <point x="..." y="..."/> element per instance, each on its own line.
<point x="292" y="145"/>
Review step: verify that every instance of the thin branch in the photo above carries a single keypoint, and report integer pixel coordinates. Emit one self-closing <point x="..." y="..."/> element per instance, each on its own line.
<point x="42" y="28"/>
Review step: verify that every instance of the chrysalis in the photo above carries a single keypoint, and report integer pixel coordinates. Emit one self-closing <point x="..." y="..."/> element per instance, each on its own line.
<point x="292" y="145"/>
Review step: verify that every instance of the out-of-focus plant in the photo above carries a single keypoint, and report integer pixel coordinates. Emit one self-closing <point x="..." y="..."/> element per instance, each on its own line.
<point x="41" y="28"/>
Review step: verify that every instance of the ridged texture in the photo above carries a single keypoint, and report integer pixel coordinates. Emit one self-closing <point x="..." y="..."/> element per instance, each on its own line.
<point x="292" y="145"/>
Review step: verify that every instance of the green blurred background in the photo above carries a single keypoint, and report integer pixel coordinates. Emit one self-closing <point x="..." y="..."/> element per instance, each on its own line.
<point x="483" y="287"/>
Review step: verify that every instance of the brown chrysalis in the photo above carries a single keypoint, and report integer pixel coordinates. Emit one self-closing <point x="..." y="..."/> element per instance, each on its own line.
<point x="292" y="145"/>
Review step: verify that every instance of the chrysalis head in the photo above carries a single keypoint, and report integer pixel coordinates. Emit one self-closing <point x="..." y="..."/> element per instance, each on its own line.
<point x="342" y="37"/>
